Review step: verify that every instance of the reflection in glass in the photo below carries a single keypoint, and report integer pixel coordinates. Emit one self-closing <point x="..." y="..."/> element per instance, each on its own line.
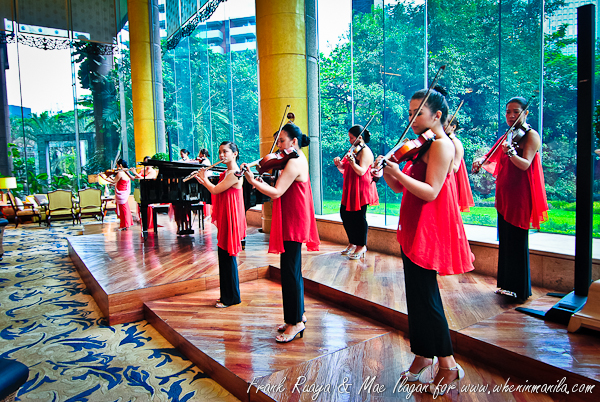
<point x="211" y="85"/>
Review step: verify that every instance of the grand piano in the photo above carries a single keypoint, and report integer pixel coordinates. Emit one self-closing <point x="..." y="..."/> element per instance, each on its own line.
<point x="169" y="187"/>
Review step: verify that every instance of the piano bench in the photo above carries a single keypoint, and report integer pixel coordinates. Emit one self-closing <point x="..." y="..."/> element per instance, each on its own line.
<point x="199" y="207"/>
<point x="155" y="209"/>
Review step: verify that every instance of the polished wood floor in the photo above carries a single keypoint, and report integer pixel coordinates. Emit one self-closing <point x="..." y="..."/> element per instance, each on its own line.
<point x="525" y="342"/>
<point x="121" y="270"/>
<point x="234" y="345"/>
<point x="242" y="337"/>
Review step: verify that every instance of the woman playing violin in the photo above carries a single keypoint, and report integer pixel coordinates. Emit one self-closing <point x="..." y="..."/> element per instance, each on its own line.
<point x="185" y="156"/>
<point x="148" y="172"/>
<point x="463" y="188"/>
<point x="358" y="192"/>
<point x="122" y="183"/>
<point x="293" y="223"/>
<point x="229" y="216"/>
<point x="520" y="200"/>
<point x="432" y="239"/>
<point x="203" y="156"/>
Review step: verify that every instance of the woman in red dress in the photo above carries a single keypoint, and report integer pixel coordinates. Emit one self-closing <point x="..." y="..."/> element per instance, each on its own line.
<point x="433" y="242"/>
<point x="229" y="216"/>
<point x="122" y="183"/>
<point x="358" y="192"/>
<point x="520" y="200"/>
<point x="463" y="188"/>
<point x="293" y="223"/>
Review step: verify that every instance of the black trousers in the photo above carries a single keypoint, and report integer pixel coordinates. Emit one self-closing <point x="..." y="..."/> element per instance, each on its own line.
<point x="355" y="223"/>
<point x="427" y="325"/>
<point x="228" y="278"/>
<point x="292" y="284"/>
<point x="513" y="259"/>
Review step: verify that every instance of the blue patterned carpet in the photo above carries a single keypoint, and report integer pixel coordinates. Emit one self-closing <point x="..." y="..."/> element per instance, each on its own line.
<point x="49" y="322"/>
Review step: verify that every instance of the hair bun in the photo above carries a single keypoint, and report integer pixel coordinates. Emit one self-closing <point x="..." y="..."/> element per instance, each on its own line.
<point x="441" y="89"/>
<point x="305" y="141"/>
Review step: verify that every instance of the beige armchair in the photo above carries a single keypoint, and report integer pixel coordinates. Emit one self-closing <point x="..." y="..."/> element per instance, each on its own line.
<point x="23" y="211"/>
<point x="60" y="206"/>
<point x="90" y="203"/>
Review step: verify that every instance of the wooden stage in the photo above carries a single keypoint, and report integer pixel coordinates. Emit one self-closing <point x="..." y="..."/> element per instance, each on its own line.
<point x="356" y="326"/>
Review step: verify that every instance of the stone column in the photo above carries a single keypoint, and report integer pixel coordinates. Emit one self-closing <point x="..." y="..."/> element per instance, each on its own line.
<point x="140" y="43"/>
<point x="314" y="110"/>
<point x="281" y="54"/>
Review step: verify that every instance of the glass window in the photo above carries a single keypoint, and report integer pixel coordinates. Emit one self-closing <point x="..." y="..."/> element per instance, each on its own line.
<point x="211" y="85"/>
<point x="42" y="118"/>
<point x="68" y="118"/>
<point x="376" y="60"/>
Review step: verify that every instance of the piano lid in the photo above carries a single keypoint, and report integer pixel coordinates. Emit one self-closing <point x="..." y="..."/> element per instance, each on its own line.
<point x="183" y="166"/>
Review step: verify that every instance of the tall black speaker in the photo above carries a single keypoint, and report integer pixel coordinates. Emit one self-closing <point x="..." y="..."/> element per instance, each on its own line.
<point x="586" y="38"/>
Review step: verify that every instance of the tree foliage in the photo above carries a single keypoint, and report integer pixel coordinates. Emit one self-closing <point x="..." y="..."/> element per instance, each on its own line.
<point x="491" y="56"/>
<point x="210" y="98"/>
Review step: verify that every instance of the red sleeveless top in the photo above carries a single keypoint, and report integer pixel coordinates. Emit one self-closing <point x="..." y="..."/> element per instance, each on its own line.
<point x="229" y="217"/>
<point x="358" y="190"/>
<point x="431" y="234"/>
<point x="520" y="195"/>
<point x="294" y="219"/>
<point x="463" y="188"/>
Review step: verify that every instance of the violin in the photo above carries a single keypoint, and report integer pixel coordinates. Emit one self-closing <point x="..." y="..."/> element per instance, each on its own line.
<point x="413" y="148"/>
<point x="274" y="160"/>
<point x="517" y="133"/>
<point x="112" y="172"/>
<point x="355" y="149"/>
<point x="513" y="136"/>
<point x="358" y="146"/>
<point x="408" y="149"/>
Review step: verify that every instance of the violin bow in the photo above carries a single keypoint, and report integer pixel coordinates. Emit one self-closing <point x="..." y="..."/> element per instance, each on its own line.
<point x="114" y="164"/>
<point x="454" y="115"/>
<point x="503" y="138"/>
<point x="364" y="129"/>
<point x="256" y="162"/>
<point x="410" y="123"/>
<point x="361" y="133"/>
<point x="280" y="128"/>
